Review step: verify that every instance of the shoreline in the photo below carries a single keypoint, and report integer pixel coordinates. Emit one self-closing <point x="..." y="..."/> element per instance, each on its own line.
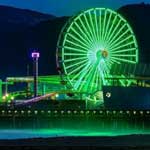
<point x="102" y="141"/>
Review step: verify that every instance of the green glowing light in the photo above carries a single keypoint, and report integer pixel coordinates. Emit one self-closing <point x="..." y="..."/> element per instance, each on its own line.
<point x="90" y="43"/>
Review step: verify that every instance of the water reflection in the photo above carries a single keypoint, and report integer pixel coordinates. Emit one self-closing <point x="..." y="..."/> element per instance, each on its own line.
<point x="70" y="126"/>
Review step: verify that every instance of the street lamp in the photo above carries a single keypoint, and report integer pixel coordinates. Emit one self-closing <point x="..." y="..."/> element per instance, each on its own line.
<point x="35" y="57"/>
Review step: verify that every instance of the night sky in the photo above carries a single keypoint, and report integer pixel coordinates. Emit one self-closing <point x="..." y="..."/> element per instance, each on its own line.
<point x="67" y="7"/>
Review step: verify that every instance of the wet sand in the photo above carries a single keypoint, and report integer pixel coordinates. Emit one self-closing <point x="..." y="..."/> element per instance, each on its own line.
<point x="131" y="142"/>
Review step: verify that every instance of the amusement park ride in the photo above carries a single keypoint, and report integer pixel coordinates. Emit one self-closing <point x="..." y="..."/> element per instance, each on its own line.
<point x="97" y="51"/>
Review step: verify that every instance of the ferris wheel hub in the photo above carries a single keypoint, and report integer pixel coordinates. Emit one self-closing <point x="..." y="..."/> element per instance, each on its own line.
<point x="104" y="53"/>
<point x="101" y="54"/>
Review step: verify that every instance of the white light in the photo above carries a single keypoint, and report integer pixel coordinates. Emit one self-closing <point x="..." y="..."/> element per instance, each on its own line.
<point x="49" y="111"/>
<point x="134" y="112"/>
<point x="62" y="112"/>
<point x="121" y="112"/>
<point x="94" y="112"/>
<point x="29" y="111"/>
<point x="35" y="111"/>
<point x="81" y="111"/>
<point x="12" y="98"/>
<point x="107" y="111"/>
<point x="114" y="112"/>
<point x="22" y="111"/>
<point x="141" y="112"/>
<point x="55" y="111"/>
<point x="42" y="111"/>
<point x="87" y="112"/>
<point x="4" y="97"/>
<point x="75" y="111"/>
<point x="100" y="112"/>
<point x="108" y="94"/>
<point x="9" y="102"/>
<point x="147" y="112"/>
<point x="57" y="95"/>
<point x="7" y="95"/>
<point x="69" y="111"/>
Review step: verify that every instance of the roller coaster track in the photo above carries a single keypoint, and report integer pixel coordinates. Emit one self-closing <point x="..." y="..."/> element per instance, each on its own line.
<point x="33" y="100"/>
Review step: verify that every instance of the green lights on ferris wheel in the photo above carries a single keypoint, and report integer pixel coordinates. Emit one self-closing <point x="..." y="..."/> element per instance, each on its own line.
<point x="90" y="43"/>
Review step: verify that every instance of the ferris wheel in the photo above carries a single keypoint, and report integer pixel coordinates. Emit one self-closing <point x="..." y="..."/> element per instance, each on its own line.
<point x="90" y="43"/>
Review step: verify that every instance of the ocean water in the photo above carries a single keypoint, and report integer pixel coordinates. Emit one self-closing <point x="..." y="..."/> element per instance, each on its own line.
<point x="21" y="128"/>
<point x="59" y="132"/>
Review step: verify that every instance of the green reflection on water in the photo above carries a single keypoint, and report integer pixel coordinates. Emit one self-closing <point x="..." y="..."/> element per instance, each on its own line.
<point x="55" y="127"/>
<point x="84" y="132"/>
